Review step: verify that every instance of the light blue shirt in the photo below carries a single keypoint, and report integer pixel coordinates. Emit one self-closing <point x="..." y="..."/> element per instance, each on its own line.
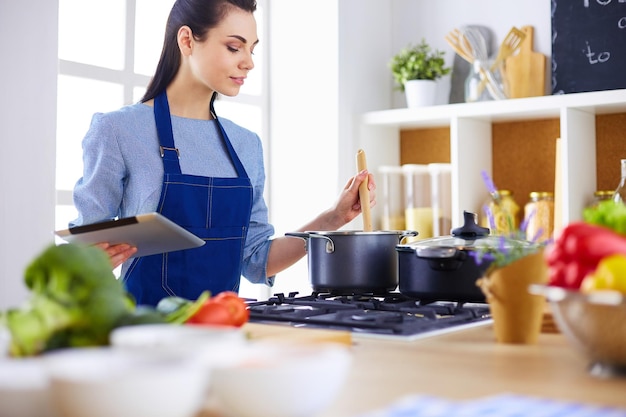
<point x="123" y="171"/>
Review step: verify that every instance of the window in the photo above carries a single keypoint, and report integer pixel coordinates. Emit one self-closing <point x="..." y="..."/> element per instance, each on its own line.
<point x="107" y="52"/>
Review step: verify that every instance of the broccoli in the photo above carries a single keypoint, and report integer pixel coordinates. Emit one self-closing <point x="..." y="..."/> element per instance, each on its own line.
<point x="75" y="300"/>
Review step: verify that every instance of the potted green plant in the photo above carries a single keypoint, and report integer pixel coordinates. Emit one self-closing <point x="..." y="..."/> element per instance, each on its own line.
<point x="418" y="67"/>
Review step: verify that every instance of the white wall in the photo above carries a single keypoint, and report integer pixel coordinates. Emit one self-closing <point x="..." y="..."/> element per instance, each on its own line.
<point x="432" y="20"/>
<point x="28" y="77"/>
<point x="365" y="45"/>
<point x="323" y="61"/>
<point x="303" y="120"/>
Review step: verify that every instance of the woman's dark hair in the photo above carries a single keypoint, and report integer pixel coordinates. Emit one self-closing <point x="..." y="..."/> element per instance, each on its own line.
<point x="200" y="16"/>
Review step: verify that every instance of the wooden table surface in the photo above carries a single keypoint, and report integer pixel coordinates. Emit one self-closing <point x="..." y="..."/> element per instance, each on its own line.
<point x="465" y="364"/>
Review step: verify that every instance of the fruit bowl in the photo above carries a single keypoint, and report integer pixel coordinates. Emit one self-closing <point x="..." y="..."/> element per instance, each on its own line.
<point x="592" y="322"/>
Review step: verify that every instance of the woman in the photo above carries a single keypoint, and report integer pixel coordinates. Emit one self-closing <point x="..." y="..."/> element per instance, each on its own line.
<point x="171" y="153"/>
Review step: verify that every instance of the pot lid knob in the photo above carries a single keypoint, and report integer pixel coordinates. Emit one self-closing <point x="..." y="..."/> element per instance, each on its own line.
<point x="470" y="228"/>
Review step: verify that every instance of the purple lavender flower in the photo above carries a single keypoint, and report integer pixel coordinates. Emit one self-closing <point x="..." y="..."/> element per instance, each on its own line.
<point x="502" y="246"/>
<point x="526" y="220"/>
<point x="491" y="187"/>
<point x="490" y="217"/>
<point x="488" y="182"/>
<point x="480" y="257"/>
<point x="509" y="247"/>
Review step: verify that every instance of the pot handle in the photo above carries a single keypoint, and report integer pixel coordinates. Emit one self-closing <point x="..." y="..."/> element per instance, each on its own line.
<point x="300" y="235"/>
<point x="330" y="245"/>
<point x="406" y="233"/>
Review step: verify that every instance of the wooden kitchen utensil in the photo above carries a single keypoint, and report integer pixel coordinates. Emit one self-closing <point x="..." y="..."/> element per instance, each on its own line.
<point x="471" y="50"/>
<point x="558" y="191"/>
<point x="509" y="46"/>
<point x="511" y="43"/>
<point x="526" y="71"/>
<point x="364" y="193"/>
<point x="454" y="39"/>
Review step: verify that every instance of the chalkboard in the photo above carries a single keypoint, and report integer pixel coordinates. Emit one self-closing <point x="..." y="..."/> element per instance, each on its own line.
<point x="588" y="45"/>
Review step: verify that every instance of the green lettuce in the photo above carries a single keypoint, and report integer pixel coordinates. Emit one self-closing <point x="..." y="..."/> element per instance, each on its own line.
<point x="608" y="214"/>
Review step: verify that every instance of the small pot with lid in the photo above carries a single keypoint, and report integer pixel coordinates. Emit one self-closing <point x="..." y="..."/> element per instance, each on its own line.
<point x="442" y="268"/>
<point x="353" y="262"/>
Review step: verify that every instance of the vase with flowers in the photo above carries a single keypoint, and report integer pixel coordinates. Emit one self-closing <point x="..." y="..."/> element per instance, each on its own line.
<point x="515" y="264"/>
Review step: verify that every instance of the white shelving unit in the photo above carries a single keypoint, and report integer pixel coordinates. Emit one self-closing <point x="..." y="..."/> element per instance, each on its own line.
<point x="471" y="144"/>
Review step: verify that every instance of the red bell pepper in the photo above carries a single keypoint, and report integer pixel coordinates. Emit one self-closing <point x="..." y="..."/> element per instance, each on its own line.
<point x="576" y="251"/>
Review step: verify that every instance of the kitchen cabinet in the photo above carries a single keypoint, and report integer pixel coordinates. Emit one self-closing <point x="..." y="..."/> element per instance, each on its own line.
<point x="515" y="141"/>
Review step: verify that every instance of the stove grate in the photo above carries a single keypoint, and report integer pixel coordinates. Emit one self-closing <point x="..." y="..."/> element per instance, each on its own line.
<point x="389" y="314"/>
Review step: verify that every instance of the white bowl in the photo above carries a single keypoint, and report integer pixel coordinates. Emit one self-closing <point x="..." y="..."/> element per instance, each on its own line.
<point x="209" y="345"/>
<point x="105" y="382"/>
<point x="24" y="388"/>
<point x="164" y="336"/>
<point x="281" y="380"/>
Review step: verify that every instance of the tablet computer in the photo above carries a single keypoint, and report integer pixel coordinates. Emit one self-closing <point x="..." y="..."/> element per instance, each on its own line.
<point x="150" y="233"/>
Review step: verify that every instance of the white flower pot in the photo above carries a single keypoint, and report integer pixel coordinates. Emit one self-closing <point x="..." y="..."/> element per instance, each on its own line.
<point x="420" y="93"/>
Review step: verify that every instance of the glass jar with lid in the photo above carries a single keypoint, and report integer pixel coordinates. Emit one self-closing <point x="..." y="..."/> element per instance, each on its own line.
<point x="392" y="185"/>
<point x="539" y="216"/>
<point x="441" y="197"/>
<point x="418" y="208"/>
<point x="619" y="195"/>
<point x="500" y="213"/>
<point x="601" y="195"/>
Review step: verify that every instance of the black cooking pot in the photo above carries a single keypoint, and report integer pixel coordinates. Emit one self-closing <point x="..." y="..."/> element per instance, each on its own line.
<point x="442" y="268"/>
<point x="353" y="262"/>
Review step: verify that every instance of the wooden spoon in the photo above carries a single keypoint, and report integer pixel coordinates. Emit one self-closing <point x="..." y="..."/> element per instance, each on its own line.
<point x="364" y="192"/>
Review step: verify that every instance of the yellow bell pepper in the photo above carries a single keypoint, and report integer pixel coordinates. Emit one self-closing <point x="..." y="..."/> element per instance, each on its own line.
<point x="610" y="274"/>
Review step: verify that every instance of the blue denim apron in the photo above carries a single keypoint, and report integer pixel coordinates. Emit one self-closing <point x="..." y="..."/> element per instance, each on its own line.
<point x="215" y="209"/>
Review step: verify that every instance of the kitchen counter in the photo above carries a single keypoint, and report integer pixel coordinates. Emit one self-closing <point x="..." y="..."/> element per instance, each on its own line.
<point x="461" y="365"/>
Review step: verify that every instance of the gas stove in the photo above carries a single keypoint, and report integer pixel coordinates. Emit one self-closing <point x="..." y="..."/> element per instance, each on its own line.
<point x="386" y="316"/>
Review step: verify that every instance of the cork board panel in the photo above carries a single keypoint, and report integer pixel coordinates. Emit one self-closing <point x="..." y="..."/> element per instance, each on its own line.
<point x="524" y="155"/>
<point x="425" y="146"/>
<point x="610" y="148"/>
